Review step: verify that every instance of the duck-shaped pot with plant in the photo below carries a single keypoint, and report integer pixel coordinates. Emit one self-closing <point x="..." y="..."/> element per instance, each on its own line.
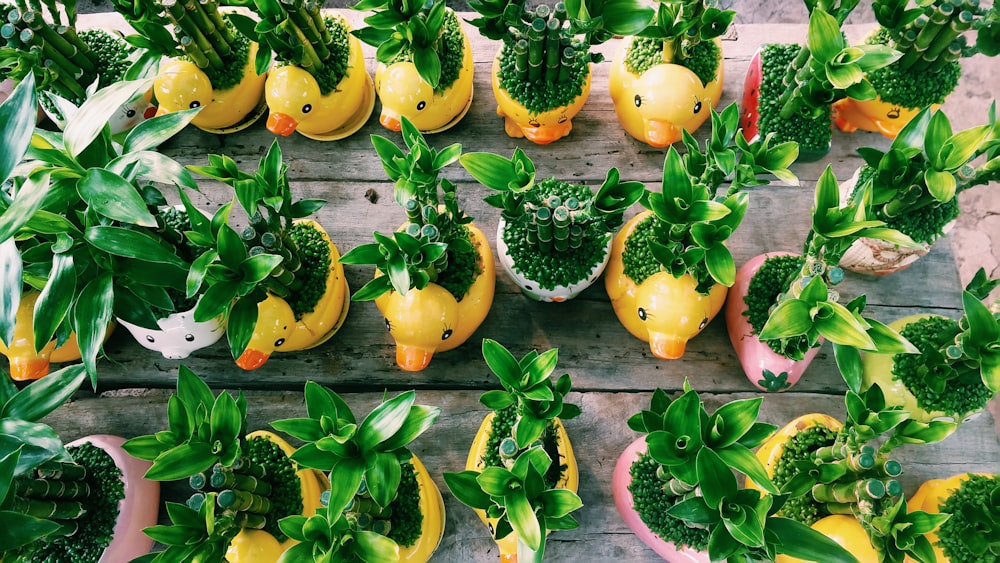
<point x="85" y="502"/>
<point x="670" y="269"/>
<point x="319" y="87"/>
<point x="554" y="238"/>
<point x="932" y="37"/>
<point x="915" y="184"/>
<point x="279" y="281"/>
<point x="782" y="305"/>
<point x="211" y="64"/>
<point x="668" y="77"/>
<point x="119" y="250"/>
<point x="788" y="88"/>
<point x="521" y="475"/>
<point x="676" y="486"/>
<point x="972" y="502"/>
<point x="435" y="277"/>
<point x="425" y="63"/>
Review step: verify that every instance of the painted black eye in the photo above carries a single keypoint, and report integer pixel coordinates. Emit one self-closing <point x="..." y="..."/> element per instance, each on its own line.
<point x="697" y="106"/>
<point x="279" y="342"/>
<point x="421" y="105"/>
<point x="638" y="100"/>
<point x="307" y="108"/>
<point x="563" y="119"/>
<point x="195" y="104"/>
<point x="130" y="113"/>
<point x="642" y="313"/>
<point x="189" y="337"/>
<point x="387" y="325"/>
<point x="446" y="334"/>
<point x="149" y="338"/>
<point x="702" y="324"/>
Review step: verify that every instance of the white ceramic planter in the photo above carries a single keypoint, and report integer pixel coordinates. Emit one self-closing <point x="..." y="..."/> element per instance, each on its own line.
<point x="179" y="334"/>
<point x="532" y="289"/>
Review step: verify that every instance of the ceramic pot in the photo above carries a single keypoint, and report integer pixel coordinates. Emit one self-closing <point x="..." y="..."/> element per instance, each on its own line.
<point x="876" y="257"/>
<point x="179" y="334"/>
<point x="182" y="85"/>
<point x="403" y="93"/>
<point x="766" y="369"/>
<point x="296" y="104"/>
<point x="532" y="288"/>
<point x="539" y="128"/>
<point x="25" y="362"/>
<point x="140" y="507"/>
<point x="620" y="481"/>
<point x="277" y="329"/>
<point x="432" y="509"/>
<point x="930" y="497"/>
<point x="872" y="115"/>
<point x="662" y="310"/>
<point x="667" y="98"/>
<point x="570" y="478"/>
<point x="429" y="320"/>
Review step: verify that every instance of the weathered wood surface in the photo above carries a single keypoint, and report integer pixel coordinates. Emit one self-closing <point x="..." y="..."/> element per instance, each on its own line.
<point x="613" y="372"/>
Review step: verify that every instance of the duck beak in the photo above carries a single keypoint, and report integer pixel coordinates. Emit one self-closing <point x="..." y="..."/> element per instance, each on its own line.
<point x="281" y="124"/>
<point x="390" y="122"/>
<point x="252" y="359"/>
<point x="666" y="347"/>
<point x="411" y="358"/>
<point x="661" y="134"/>
<point x="26" y="369"/>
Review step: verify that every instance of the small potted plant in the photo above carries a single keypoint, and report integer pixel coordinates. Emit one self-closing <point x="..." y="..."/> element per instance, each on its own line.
<point x="788" y="88"/>
<point x="933" y="37"/>
<point x="915" y="186"/>
<point x="86" y="502"/>
<point x="670" y="269"/>
<point x="676" y="486"/>
<point x="279" y="281"/>
<point x="553" y="238"/>
<point x="971" y="501"/>
<point x="668" y="77"/>
<point x="957" y="369"/>
<point x="434" y="278"/>
<point x="521" y="476"/>
<point x="772" y="314"/>
<point x="243" y="484"/>
<point x="320" y="87"/>
<point x="381" y="495"/>
<point x="211" y="65"/>
<point x="425" y="63"/>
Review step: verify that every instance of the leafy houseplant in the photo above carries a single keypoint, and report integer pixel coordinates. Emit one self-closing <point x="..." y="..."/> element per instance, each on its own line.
<point x="554" y="238"/>
<point x="668" y="77"/>
<point x="933" y="37"/>
<point x="784" y="305"/>
<point x="87" y="236"/>
<point x="85" y="502"/>
<point x="320" y="88"/>
<point x="971" y="500"/>
<point x="670" y="269"/>
<point x="382" y="503"/>
<point x="521" y="475"/>
<point x="788" y="88"/>
<point x="434" y="278"/>
<point x="279" y="281"/>
<point x="675" y="486"/>
<point x="958" y="368"/>
<point x="425" y="63"/>
<point x="211" y="65"/>
<point x="915" y="184"/>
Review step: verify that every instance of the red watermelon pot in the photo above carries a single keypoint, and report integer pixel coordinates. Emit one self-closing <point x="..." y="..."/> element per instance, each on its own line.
<point x="764" y="368"/>
<point x="620" y="481"/>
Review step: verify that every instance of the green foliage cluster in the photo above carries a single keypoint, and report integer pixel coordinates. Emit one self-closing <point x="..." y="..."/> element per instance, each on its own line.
<point x="812" y="133"/>
<point x="638" y="258"/>
<point x="802" y="447"/>
<point x="926" y="226"/>
<point x="232" y="72"/>
<point x="644" y="52"/>
<point x="970" y="535"/>
<point x="653" y="502"/>
<point x="908" y="87"/>
<point x="406" y="517"/>
<point x="542" y="96"/>
<point x="110" y="55"/>
<point x="314" y="252"/>
<point x="767" y="284"/>
<point x="280" y="475"/>
<point x="334" y="68"/>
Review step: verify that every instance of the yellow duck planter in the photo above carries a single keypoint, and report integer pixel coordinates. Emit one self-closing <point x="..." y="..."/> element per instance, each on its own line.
<point x="403" y="93"/>
<point x="539" y="128"/>
<point x="657" y="105"/>
<point x="570" y="478"/>
<point x="26" y="363"/>
<point x="182" y="85"/>
<point x="662" y="310"/>
<point x="873" y="115"/>
<point x="296" y="103"/>
<point x="429" y="320"/>
<point x="277" y="330"/>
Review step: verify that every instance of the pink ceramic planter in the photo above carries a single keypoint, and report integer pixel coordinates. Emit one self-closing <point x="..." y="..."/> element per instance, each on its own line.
<point x="137" y="510"/>
<point x="755" y="356"/>
<point x="620" y="481"/>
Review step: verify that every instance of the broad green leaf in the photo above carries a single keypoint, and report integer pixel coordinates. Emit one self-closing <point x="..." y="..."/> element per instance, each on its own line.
<point x="824" y="37"/>
<point x="150" y="133"/>
<point x="801" y="541"/>
<point x="502" y="363"/>
<point x="418" y="420"/>
<point x="193" y="390"/>
<point x="10" y="288"/>
<point x="225" y="420"/>
<point x="93" y="116"/>
<point x="17" y="113"/>
<point x="428" y="65"/>
<point x="21" y="529"/>
<point x="91" y="315"/>
<point x="55" y="299"/>
<point x="791" y="317"/>
<point x="383" y="476"/>
<point x="181" y="462"/>
<point x="384" y="421"/>
<point x="7" y="465"/>
<point x="523" y="520"/>
<point x="496" y="399"/>
<point x="721" y="265"/>
<point x="849" y="362"/>
<point x="737" y="418"/>
<point x="962" y="146"/>
<point x="131" y="243"/>
<point x="694" y="510"/>
<point x="26" y="204"/>
<point x="490" y="170"/>
<point x="154" y="166"/>
<point x="891" y="236"/>
<point x="256" y="269"/>
<point x="497" y="481"/>
<point x="312" y="457"/>
<point x="466" y="489"/>
<point x="626" y="17"/>
<point x="938" y="133"/>
<point x="843" y="76"/>
<point x="842" y="327"/>
<point x="302" y="428"/>
<point x="35" y="401"/>
<point x="888" y="341"/>
<point x="541" y="367"/>
<point x="145" y="447"/>
<point x="941" y="185"/>
<point x="113" y="197"/>
<point x="982" y="324"/>
<point x="240" y="325"/>
<point x="557" y="503"/>
<point x="528" y="429"/>
<point x="743" y="460"/>
<point x="375" y="547"/>
<point x="718" y="484"/>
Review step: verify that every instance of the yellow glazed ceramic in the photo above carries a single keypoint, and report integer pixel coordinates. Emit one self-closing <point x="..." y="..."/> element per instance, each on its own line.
<point x="774" y="447"/>
<point x="296" y="104"/>
<point x="654" y="107"/>
<point x="403" y="92"/>
<point x="25" y="362"/>
<point x="540" y="128"/>
<point x="430" y="320"/>
<point x="278" y="331"/>
<point x="663" y="310"/>
<point x="182" y="85"/>
<point x="930" y="497"/>
<point x="258" y="546"/>
<point x="570" y="478"/>
<point x="432" y="508"/>
<point x="872" y="115"/>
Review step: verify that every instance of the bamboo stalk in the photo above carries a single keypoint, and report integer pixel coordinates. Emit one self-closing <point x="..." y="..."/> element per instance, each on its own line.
<point x="955" y="28"/>
<point x="211" y="10"/>
<point x="51" y="489"/>
<point x="566" y="64"/>
<point x="313" y="9"/>
<point x="950" y="55"/>
<point x="73" y="52"/>
<point x="192" y="50"/>
<point x="552" y="51"/>
<point x="60" y="470"/>
<point x="312" y="59"/>
<point x="307" y="27"/>
<point x="208" y="28"/>
<point x="932" y="26"/>
<point x="536" y="49"/>
<point x="233" y="480"/>
<point x="521" y="59"/>
<point x="197" y="46"/>
<point x="849" y="492"/>
<point x="50" y="509"/>
<point x="243" y="501"/>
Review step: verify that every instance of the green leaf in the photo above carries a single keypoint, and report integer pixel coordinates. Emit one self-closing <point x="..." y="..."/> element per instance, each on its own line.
<point x="26" y="204"/>
<point x="523" y="520"/>
<point x="21" y="529"/>
<point x="496" y="399"/>
<point x="93" y="116"/>
<point x="941" y="185"/>
<point x="113" y="197"/>
<point x="91" y="315"/>
<point x="131" y="243"/>
<point x="256" y="269"/>
<point x="428" y="65"/>
<point x="181" y="462"/>
<point x="801" y="541"/>
<point x="150" y="133"/>
<point x="36" y="401"/>
<point x="849" y="362"/>
<point x="384" y="421"/>
<point x="717" y="481"/>
<point x="790" y="318"/>
<point x="694" y="510"/>
<point x="418" y="420"/>
<point x="145" y="447"/>
<point x="557" y="503"/>
<point x="375" y="548"/>
<point x="466" y="489"/>
<point x="626" y="17"/>
<point x="721" y="265"/>
<point x="502" y="363"/>
<point x="737" y="417"/>
<point x="226" y="420"/>
<point x="193" y="390"/>
<point x="938" y="133"/>
<point x="824" y="37"/>
<point x="490" y="170"/>
<point x="842" y="327"/>
<point x="240" y="326"/>
<point x="843" y="76"/>
<point x="11" y="268"/>
<point x="982" y="324"/>
<point x="55" y="299"/>
<point x="7" y="465"/>
<point x="383" y="476"/>
<point x="17" y="113"/>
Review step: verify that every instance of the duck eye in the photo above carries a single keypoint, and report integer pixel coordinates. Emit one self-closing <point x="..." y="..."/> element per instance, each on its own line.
<point x="307" y="108"/>
<point x="642" y="313"/>
<point x="563" y="118"/>
<point x="638" y="100"/>
<point x="195" y="104"/>
<point x="421" y="105"/>
<point x="387" y="325"/>
<point x="130" y="113"/>
<point x="446" y="334"/>
<point x="189" y="337"/>
<point x="279" y="342"/>
<point x="697" y="106"/>
<point x="149" y="338"/>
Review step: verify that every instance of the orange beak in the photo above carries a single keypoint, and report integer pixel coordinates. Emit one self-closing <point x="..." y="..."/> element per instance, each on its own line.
<point x="252" y="359"/>
<point x="545" y="135"/>
<point x="26" y="369"/>
<point x="391" y="123"/>
<point x="411" y="358"/>
<point x="661" y="134"/>
<point x="281" y="124"/>
<point x="666" y="347"/>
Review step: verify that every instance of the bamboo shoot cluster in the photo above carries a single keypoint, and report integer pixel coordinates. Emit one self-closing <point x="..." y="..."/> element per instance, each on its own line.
<point x="202" y="33"/>
<point x="937" y="37"/>
<point x="239" y="490"/>
<point x="55" y="491"/>
<point x="542" y="47"/>
<point x="265" y="236"/>
<point x="367" y="514"/>
<point x="422" y="224"/>
<point x="851" y="479"/>
<point x="557" y="225"/>
<point x="298" y="32"/>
